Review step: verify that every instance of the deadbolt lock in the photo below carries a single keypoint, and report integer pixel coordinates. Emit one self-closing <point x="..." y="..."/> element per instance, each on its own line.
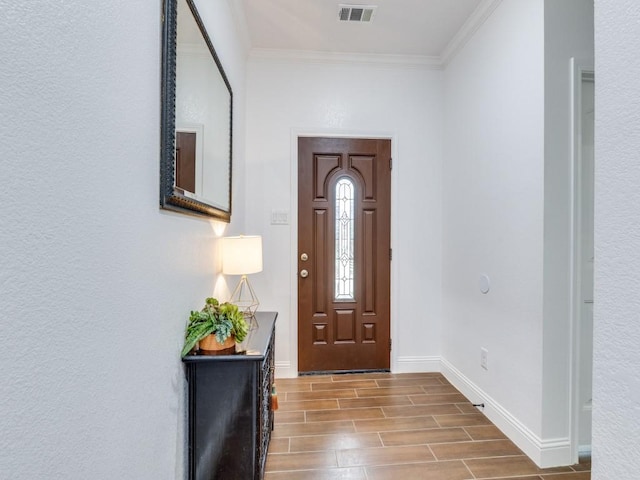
<point x="304" y="257"/>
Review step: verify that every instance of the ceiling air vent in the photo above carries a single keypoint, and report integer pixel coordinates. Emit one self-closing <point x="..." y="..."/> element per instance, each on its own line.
<point x="356" y="13"/>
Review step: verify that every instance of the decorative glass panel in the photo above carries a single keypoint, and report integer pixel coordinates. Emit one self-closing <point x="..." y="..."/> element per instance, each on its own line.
<point x="345" y="229"/>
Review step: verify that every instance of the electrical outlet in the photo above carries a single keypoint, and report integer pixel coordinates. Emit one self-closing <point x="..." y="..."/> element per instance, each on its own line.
<point x="484" y="353"/>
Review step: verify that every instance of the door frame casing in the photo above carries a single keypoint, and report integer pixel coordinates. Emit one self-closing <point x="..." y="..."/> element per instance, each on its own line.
<point x="579" y="69"/>
<point x="293" y="223"/>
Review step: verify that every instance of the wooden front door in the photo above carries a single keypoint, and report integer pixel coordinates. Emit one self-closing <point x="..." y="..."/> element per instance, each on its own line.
<point x="344" y="256"/>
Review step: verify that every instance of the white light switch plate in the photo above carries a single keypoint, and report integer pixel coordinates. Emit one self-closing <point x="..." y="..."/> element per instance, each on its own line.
<point x="279" y="217"/>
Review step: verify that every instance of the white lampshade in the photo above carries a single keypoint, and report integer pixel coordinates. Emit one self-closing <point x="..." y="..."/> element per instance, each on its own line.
<point x="242" y="255"/>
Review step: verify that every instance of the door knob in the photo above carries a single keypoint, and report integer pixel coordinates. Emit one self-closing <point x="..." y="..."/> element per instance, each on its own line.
<point x="304" y="273"/>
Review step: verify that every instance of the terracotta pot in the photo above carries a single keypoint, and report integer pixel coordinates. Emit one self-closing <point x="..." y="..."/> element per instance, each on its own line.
<point x="209" y="345"/>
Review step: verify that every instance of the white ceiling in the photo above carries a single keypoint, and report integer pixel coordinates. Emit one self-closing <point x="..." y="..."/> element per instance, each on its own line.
<point x="426" y="28"/>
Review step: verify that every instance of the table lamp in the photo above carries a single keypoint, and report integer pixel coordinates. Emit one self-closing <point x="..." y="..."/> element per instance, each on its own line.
<point x="242" y="256"/>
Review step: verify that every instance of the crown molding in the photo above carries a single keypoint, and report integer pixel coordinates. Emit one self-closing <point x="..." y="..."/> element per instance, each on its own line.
<point x="433" y="63"/>
<point x="459" y="40"/>
<point x="468" y="29"/>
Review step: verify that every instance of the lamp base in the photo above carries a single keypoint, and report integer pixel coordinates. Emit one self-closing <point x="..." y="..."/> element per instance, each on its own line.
<point x="245" y="298"/>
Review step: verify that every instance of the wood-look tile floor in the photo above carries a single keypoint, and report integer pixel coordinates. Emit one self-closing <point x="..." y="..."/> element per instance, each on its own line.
<point x="379" y="426"/>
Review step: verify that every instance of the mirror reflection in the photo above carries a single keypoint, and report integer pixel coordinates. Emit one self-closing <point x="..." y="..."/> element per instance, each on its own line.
<point x="202" y="132"/>
<point x="196" y="174"/>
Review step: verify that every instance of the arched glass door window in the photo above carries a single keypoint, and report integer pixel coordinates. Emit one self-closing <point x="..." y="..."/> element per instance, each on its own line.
<point x="345" y="239"/>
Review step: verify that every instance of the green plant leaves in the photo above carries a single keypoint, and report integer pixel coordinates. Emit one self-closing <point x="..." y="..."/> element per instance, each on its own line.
<point x="223" y="329"/>
<point x="195" y="333"/>
<point x="222" y="319"/>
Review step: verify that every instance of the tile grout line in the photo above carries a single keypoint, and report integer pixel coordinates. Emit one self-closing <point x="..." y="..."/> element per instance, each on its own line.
<point x="432" y="453"/>
<point x="365" y="469"/>
<point x="468" y="469"/>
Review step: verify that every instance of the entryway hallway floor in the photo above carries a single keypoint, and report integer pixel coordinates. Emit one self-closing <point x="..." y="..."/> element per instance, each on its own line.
<point x="378" y="426"/>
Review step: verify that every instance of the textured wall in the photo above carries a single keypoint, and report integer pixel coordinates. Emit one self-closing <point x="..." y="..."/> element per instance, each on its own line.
<point x="95" y="281"/>
<point x="616" y="414"/>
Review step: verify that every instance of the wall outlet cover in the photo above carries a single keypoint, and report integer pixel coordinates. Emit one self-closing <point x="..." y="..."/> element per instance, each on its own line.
<point x="484" y="354"/>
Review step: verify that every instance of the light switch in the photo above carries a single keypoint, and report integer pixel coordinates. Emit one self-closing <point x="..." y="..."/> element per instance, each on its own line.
<point x="279" y="217"/>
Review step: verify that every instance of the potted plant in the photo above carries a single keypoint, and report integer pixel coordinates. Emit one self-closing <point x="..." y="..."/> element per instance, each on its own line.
<point x="217" y="327"/>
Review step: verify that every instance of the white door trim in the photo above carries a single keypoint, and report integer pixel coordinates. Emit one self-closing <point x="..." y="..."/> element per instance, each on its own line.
<point x="579" y="69"/>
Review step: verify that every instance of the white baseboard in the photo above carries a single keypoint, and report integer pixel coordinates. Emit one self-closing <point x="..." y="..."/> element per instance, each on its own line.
<point x="416" y="364"/>
<point x="402" y="365"/>
<point x="285" y="370"/>
<point x="545" y="453"/>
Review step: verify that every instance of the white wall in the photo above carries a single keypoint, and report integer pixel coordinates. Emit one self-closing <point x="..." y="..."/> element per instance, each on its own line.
<point x="493" y="217"/>
<point x="568" y="32"/>
<point x="287" y="98"/>
<point x="507" y="214"/>
<point x="616" y="418"/>
<point x="95" y="281"/>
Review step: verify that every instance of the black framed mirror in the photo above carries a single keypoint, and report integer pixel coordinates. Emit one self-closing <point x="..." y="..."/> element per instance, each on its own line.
<point x="196" y="118"/>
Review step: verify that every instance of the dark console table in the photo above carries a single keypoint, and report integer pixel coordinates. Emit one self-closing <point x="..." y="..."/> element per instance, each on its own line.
<point x="230" y="415"/>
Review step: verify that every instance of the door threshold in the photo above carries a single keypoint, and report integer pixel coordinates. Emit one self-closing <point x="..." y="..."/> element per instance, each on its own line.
<point x="343" y="372"/>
